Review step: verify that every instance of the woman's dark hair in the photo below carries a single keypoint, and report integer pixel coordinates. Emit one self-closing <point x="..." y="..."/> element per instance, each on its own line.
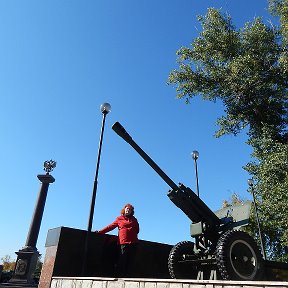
<point x="122" y="212"/>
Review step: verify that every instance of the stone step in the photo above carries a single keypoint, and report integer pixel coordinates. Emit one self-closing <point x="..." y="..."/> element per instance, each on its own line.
<point x="11" y="285"/>
<point x="98" y="282"/>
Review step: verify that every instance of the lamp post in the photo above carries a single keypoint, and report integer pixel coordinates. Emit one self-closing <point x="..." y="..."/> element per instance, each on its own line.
<point x="251" y="184"/>
<point x="195" y="156"/>
<point x="27" y="256"/>
<point x="105" y="108"/>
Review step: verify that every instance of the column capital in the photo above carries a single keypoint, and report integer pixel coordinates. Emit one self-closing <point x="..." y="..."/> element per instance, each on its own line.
<point x="47" y="178"/>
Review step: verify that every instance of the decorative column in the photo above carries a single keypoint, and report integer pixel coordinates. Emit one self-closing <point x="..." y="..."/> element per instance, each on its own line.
<point x="27" y="256"/>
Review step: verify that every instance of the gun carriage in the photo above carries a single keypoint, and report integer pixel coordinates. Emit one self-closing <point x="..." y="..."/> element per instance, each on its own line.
<point x="220" y="249"/>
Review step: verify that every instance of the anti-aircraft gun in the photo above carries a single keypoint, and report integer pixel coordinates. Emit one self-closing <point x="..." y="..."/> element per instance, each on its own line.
<point x="220" y="250"/>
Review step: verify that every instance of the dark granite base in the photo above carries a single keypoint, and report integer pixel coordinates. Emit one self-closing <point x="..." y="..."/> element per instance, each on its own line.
<point x="65" y="253"/>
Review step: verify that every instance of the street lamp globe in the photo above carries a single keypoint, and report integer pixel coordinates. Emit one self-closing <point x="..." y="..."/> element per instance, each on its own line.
<point x="195" y="155"/>
<point x="250" y="182"/>
<point x="105" y="108"/>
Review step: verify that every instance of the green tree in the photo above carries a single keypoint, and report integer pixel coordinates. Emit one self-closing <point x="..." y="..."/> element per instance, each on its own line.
<point x="270" y="170"/>
<point x="280" y="8"/>
<point x="247" y="70"/>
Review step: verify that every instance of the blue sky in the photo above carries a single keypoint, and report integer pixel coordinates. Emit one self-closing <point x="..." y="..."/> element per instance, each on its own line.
<point x="59" y="61"/>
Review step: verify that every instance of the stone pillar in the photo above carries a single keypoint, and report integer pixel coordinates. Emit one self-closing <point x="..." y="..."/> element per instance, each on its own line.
<point x="38" y="211"/>
<point x="27" y="256"/>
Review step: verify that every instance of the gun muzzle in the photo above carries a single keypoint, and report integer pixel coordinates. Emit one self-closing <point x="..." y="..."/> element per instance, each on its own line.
<point x="120" y="130"/>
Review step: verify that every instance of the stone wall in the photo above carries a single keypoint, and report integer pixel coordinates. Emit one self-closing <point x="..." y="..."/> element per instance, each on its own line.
<point x="158" y="283"/>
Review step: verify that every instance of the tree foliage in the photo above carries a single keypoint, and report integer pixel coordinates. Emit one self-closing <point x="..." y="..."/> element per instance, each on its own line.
<point x="235" y="199"/>
<point x="270" y="170"/>
<point x="241" y="68"/>
<point x="280" y="8"/>
<point x="247" y="69"/>
<point x="8" y="263"/>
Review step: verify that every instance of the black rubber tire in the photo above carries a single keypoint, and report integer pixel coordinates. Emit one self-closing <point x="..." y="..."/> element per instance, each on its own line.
<point x="178" y="270"/>
<point x="238" y="257"/>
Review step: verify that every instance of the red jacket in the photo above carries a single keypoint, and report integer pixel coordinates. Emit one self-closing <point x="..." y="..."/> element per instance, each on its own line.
<point x="128" y="229"/>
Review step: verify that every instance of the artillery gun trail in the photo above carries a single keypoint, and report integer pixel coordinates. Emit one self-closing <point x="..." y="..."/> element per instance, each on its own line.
<point x="220" y="250"/>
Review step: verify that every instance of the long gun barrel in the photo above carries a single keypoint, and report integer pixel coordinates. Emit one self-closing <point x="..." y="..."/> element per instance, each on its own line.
<point x="183" y="197"/>
<point x="120" y="130"/>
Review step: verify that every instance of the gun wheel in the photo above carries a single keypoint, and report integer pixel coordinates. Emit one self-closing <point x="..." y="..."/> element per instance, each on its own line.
<point x="178" y="268"/>
<point x="238" y="257"/>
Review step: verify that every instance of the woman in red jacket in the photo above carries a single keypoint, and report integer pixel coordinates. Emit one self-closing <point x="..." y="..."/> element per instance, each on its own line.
<point x="128" y="229"/>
